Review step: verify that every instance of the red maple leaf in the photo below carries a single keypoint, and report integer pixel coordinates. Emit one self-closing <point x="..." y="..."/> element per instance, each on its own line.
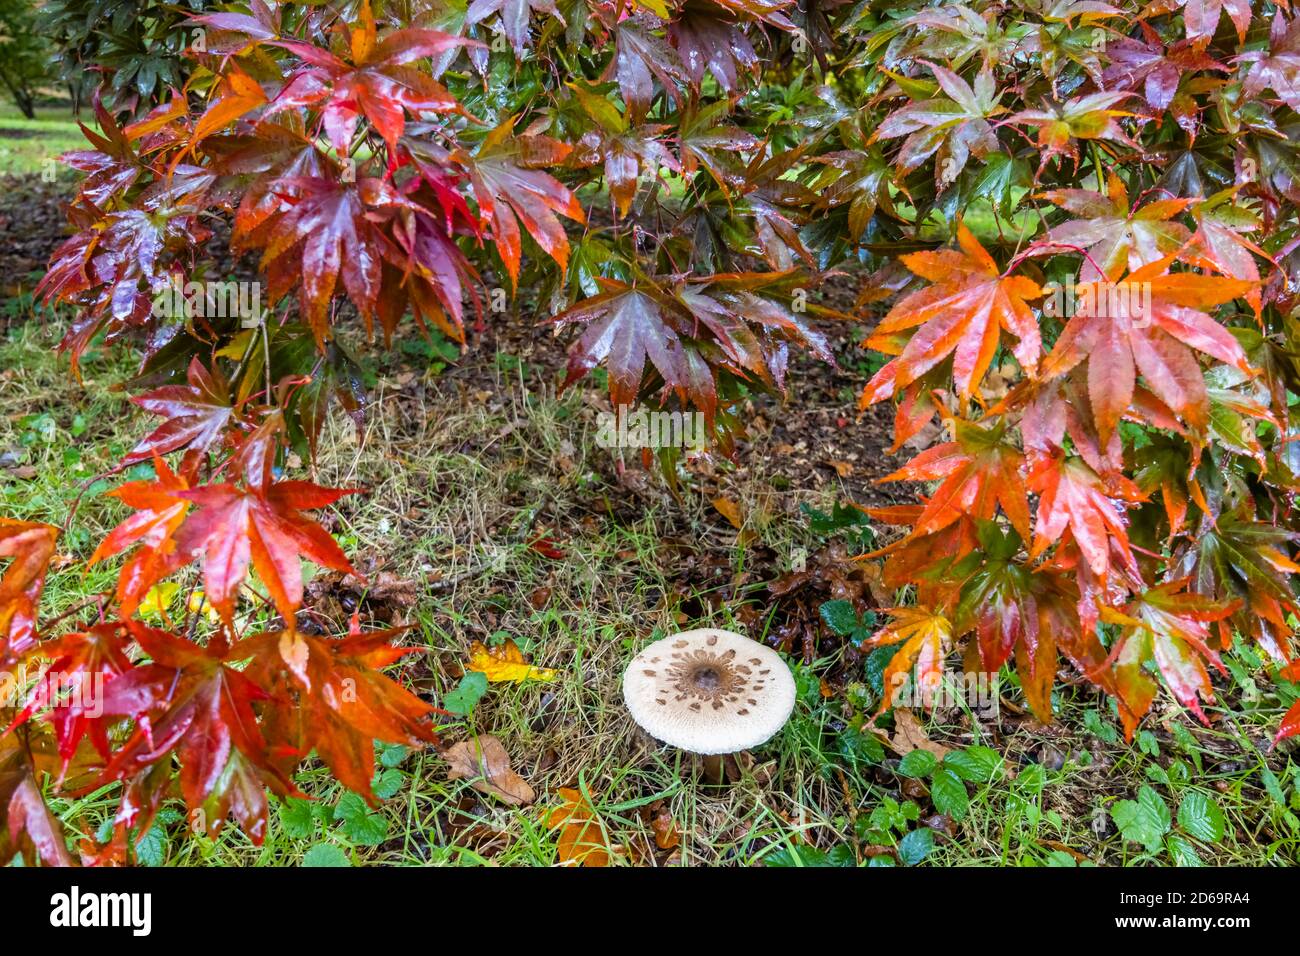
<point x="190" y="701"/>
<point x="159" y="514"/>
<point x="235" y="526"/>
<point x="962" y="314"/>
<point x="378" y="84"/>
<point x="31" y="546"/>
<point x="345" y="702"/>
<point x="197" y="414"/>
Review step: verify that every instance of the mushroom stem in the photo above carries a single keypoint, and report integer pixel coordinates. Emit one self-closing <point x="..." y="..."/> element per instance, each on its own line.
<point x="715" y="769"/>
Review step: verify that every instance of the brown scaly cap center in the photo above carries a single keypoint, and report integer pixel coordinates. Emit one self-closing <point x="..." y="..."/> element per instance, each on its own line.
<point x="707" y="677"/>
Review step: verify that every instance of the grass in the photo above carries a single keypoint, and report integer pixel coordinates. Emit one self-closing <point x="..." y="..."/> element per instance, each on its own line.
<point x="460" y="479"/>
<point x="32" y="146"/>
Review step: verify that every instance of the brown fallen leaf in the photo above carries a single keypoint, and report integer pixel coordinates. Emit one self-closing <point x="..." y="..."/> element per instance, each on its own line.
<point x="665" y="830"/>
<point x="1057" y="845"/>
<point x="909" y="735"/>
<point x="731" y="510"/>
<point x="582" y="840"/>
<point x="842" y="468"/>
<point x="486" y="765"/>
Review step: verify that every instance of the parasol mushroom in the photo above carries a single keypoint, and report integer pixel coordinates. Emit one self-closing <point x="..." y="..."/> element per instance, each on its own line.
<point x="709" y="692"/>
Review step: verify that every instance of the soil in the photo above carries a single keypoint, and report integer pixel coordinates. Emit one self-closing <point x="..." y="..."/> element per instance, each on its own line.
<point x="32" y="226"/>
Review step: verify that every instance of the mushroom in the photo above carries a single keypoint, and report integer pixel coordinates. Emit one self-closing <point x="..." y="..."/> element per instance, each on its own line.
<point x="709" y="692"/>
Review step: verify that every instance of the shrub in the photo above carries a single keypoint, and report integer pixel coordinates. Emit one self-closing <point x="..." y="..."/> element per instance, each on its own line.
<point x="1085" y="210"/>
<point x="130" y="50"/>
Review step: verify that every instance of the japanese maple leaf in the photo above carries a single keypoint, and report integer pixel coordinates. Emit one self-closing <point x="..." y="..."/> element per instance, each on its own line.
<point x="1235" y="559"/>
<point x="159" y="514"/>
<point x="273" y="154"/>
<point x="236" y="525"/>
<point x="1028" y="611"/>
<point x="641" y="57"/>
<point x="30" y="545"/>
<point x="346" y="702"/>
<point x="197" y="414"/>
<point x="237" y="32"/>
<point x="925" y="637"/>
<point x="112" y="167"/>
<point x="1111" y="234"/>
<point x="1290" y="725"/>
<point x="235" y="96"/>
<point x="423" y="270"/>
<point x="377" y="83"/>
<point x="1170" y="626"/>
<point x="1278" y="67"/>
<point x="1158" y="69"/>
<point x="747" y="316"/>
<point x="190" y="701"/>
<point x="514" y="17"/>
<point x="627" y="324"/>
<point x="747" y="309"/>
<point x="626" y="150"/>
<point x="778" y="206"/>
<point x="511" y="190"/>
<point x="950" y="129"/>
<point x="324" y="234"/>
<point x="962" y="314"/>
<point x="998" y="601"/>
<point x="913" y="559"/>
<point x="26" y="823"/>
<point x="78" y="664"/>
<point x="1220" y="245"/>
<point x="710" y="37"/>
<point x="1087" y="117"/>
<point x="1072" y="495"/>
<point x="979" y="470"/>
<point x="1149" y="322"/>
<point x="954" y="32"/>
<point x="863" y="184"/>
<point x="707" y="140"/>
<point x="1201" y="17"/>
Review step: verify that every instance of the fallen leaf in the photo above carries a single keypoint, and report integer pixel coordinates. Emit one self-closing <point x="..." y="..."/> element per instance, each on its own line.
<point x="158" y="599"/>
<point x="486" y="765"/>
<point x="665" y="830"/>
<point x="730" y="510"/>
<point x="198" y="603"/>
<point x="1061" y="847"/>
<point x="546" y="547"/>
<point x="582" y="840"/>
<point x="909" y="735"/>
<point x="505" y="662"/>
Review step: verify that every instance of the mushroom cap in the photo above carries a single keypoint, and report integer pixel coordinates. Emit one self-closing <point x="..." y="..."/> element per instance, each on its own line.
<point x="709" y="691"/>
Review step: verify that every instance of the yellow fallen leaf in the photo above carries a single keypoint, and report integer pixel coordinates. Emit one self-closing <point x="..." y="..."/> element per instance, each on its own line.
<point x="159" y="599"/>
<point x="505" y="662"/>
<point x="198" y="604"/>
